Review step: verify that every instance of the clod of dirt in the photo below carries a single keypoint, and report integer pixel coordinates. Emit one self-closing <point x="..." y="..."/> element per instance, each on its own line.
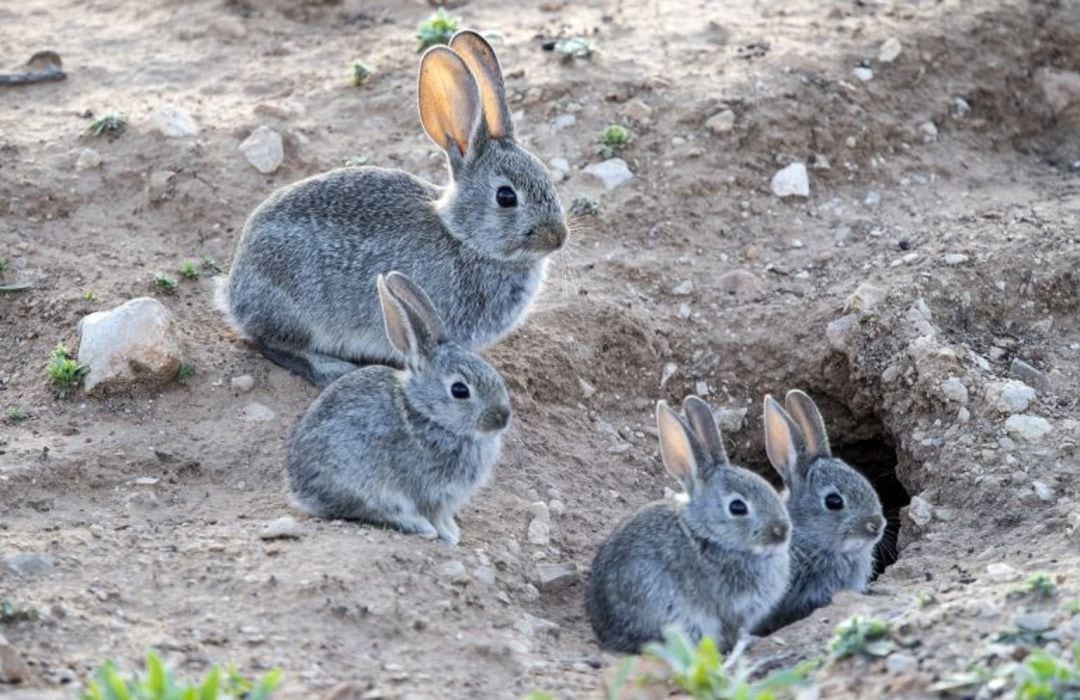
<point x="264" y="150"/>
<point x="135" y="344"/>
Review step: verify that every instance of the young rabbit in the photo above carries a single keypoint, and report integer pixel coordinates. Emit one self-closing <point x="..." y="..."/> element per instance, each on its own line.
<point x="835" y="513"/>
<point x="404" y="448"/>
<point x="713" y="565"/>
<point x="300" y="285"/>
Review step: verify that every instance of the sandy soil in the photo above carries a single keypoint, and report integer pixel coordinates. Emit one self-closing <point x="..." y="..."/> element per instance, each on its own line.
<point x="178" y="564"/>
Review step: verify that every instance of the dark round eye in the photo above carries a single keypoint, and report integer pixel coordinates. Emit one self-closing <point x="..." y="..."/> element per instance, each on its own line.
<point x="506" y="197"/>
<point x="737" y="507"/>
<point x="459" y="391"/>
<point x="834" y="501"/>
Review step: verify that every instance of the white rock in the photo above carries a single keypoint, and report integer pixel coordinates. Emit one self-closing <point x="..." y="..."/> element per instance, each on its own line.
<point x="258" y="412"/>
<point x="564" y="120"/>
<point x="1027" y="427"/>
<point x="954" y="390"/>
<point x="551" y="577"/>
<point x="454" y="571"/>
<point x="611" y="173"/>
<point x="243" y="383"/>
<point x="1000" y="572"/>
<point x="587" y="390"/>
<point x="890" y="50"/>
<point x="954" y="259"/>
<point x="865" y="299"/>
<point x="667" y="372"/>
<point x="1043" y="490"/>
<point x="791" y="181"/>
<point x="284" y="528"/>
<point x="684" y="288"/>
<point x="899" y="663"/>
<point x="172" y="122"/>
<point x="920" y="511"/>
<point x="731" y="420"/>
<point x="863" y="74"/>
<point x="133" y="344"/>
<point x="929" y="131"/>
<point x="484" y="575"/>
<point x="540" y="511"/>
<point x="560" y="164"/>
<point x="539" y="531"/>
<point x="263" y="149"/>
<point x="1013" y="397"/>
<point x="721" y="123"/>
<point x="639" y="110"/>
<point x="873" y="199"/>
<point x="88" y="159"/>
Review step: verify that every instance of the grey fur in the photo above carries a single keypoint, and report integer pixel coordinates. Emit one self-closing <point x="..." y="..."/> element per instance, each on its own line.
<point x="393" y="447"/>
<point x="693" y="563"/>
<point x="301" y="282"/>
<point x="830" y="549"/>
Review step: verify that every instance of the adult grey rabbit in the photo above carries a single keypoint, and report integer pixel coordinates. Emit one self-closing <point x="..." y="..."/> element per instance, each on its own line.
<point x="404" y="448"/>
<point x="301" y="282"/>
<point x="713" y="565"/>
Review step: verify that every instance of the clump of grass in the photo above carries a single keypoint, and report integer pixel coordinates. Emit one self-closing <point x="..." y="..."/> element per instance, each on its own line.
<point x="13" y="612"/>
<point x="360" y="73"/>
<point x="90" y="295"/>
<point x="569" y="49"/>
<point x="1073" y="607"/>
<point x="3" y="264"/>
<point x="166" y="282"/>
<point x="15" y="413"/>
<point x="613" y="139"/>
<point x="1038" y="586"/>
<point x="111" y="123"/>
<point x="210" y="265"/>
<point x="160" y="684"/>
<point x="64" y="371"/>
<point x="861" y="635"/>
<point x="189" y="270"/>
<point x="584" y="206"/>
<point x="185" y="372"/>
<point x="437" y="29"/>
<point x="1043" y="676"/>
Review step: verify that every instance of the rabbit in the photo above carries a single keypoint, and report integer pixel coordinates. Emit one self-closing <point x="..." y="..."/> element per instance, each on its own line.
<point x="404" y="448"/>
<point x="299" y="286"/>
<point x="712" y="564"/>
<point x="835" y="512"/>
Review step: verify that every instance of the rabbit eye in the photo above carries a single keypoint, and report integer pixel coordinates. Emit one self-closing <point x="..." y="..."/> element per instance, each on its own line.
<point x="459" y="391"/>
<point x="506" y="197"/>
<point x="737" y="507"/>
<point x="834" y="501"/>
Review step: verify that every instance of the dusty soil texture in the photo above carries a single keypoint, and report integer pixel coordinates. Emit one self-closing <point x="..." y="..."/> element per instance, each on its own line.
<point x="144" y="510"/>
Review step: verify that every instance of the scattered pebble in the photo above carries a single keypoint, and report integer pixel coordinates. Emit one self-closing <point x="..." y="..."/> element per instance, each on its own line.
<point x="721" y="123"/>
<point x="264" y="150"/>
<point x="29" y="564"/>
<point x="1000" y="572"/>
<point x="88" y="159"/>
<point x="920" y="511"/>
<point x="960" y="108"/>
<point x="454" y="572"/>
<point x="587" y="390"/>
<point x="890" y="50"/>
<point x="563" y="121"/>
<point x="1028" y="428"/>
<point x="1013" y="396"/>
<point x="172" y="122"/>
<point x="638" y="110"/>
<point x="1029" y="375"/>
<point x="669" y="369"/>
<point x="1043" y="490"/>
<point x="872" y="199"/>
<point x="551" y="577"/>
<point x="284" y="528"/>
<point x="1034" y="621"/>
<point x="954" y="390"/>
<point x="134" y="344"/>
<point x="741" y="283"/>
<point x="560" y="164"/>
<point x="954" y="259"/>
<point x="611" y="172"/>
<point x="258" y="412"/>
<point x="838" y="331"/>
<point x="484" y="575"/>
<point x="863" y="74"/>
<point x="791" y="181"/>
<point x="929" y="131"/>
<point x="684" y="288"/>
<point x="1060" y="88"/>
<point x="899" y="663"/>
<point x="865" y="299"/>
<point x="243" y="383"/>
<point x="731" y="420"/>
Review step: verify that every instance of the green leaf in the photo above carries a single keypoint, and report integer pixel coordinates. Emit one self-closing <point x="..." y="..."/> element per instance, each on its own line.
<point x="211" y="685"/>
<point x="621" y="676"/>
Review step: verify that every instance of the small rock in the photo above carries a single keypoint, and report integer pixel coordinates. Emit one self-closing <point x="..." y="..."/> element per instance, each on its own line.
<point x="1043" y="490"/>
<point x="684" y="311"/>
<point x="172" y="122"/>
<point x="243" y="383"/>
<point x="263" y="149"/>
<point x="1034" y="621"/>
<point x="134" y="344"/>
<point x="12" y="667"/>
<point x="920" y="511"/>
<point x="1027" y="427"/>
<point x="539" y="532"/>
<point x="863" y="74"/>
<point x="839" y="331"/>
<point x="1029" y="375"/>
<point x="563" y="121"/>
<point x="683" y="289"/>
<point x="961" y="108"/>
<point x="159" y="185"/>
<point x="560" y="164"/>
<point x="258" y="412"/>
<point x="929" y="131"/>
<point x="551" y="577"/>
<point x="702" y="388"/>
<point x="540" y="511"/>
<point x="454" y="572"/>
<point x="1000" y="572"/>
<point x="88" y="159"/>
<point x="284" y="528"/>
<point x="954" y="390"/>
<point x="742" y="283"/>
<point x="890" y="50"/>
<point x="954" y="259"/>
<point x="283" y="110"/>
<point x="587" y="390"/>
<point x="665" y="374"/>
<point x="865" y="299"/>
<point x="556" y="507"/>
<point x="791" y="181"/>
<point x="731" y="420"/>
<point x="484" y="575"/>
<point x="1060" y="88"/>
<point x="820" y="162"/>
<point x="872" y="199"/>
<point x="721" y="123"/>
<point x="899" y="663"/>
<point x="638" y="110"/>
<point x="29" y="564"/>
<point x="1013" y="397"/>
<point x="611" y="172"/>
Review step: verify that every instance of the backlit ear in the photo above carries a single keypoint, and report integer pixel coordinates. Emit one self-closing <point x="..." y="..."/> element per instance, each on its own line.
<point x="675" y="447"/>
<point x="449" y="99"/>
<point x="399" y="330"/>
<point x="703" y="424"/>
<point x="806" y="414"/>
<point x="484" y="65"/>
<point x="781" y="441"/>
<point x="413" y="296"/>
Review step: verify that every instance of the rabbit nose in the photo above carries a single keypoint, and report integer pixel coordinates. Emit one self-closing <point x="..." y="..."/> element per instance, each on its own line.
<point x="551" y="237"/>
<point x="496" y="418"/>
<point x="874" y="526"/>
<point x="780" y="532"/>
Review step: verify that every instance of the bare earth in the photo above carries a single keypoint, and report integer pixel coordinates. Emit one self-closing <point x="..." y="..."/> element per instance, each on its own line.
<point x="178" y="564"/>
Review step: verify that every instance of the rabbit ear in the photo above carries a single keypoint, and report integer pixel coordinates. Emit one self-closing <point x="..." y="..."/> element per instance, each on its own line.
<point x="806" y="414"/>
<point x="399" y="329"/>
<point x="414" y="297"/>
<point x="449" y="99"/>
<point x="703" y="425"/>
<point x="783" y="441"/>
<point x="675" y="447"/>
<point x="484" y="65"/>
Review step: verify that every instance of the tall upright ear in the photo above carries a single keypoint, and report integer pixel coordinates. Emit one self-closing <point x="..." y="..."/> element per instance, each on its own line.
<point x="484" y="65"/>
<point x="782" y="441"/>
<point x="675" y="447"/>
<point x="703" y="424"/>
<point x="449" y="99"/>
<point x="413" y="296"/>
<point x="807" y="416"/>
<point x="399" y="329"/>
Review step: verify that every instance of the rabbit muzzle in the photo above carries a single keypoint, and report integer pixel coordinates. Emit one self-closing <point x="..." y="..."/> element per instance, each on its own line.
<point x="495" y="419"/>
<point x="773" y="536"/>
<point x="547" y="238"/>
<point x="864" y="532"/>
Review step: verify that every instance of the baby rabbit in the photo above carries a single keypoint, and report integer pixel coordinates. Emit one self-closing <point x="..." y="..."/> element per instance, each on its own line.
<point x="835" y="512"/>
<point x="713" y="565"/>
<point x="300" y="284"/>
<point x="404" y="448"/>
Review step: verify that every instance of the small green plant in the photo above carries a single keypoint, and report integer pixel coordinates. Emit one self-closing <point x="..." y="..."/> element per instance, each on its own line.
<point x="538" y="695"/>
<point x="1043" y="676"/>
<point x="1038" y="586"/>
<point x="166" y="282"/>
<point x="111" y="123"/>
<point x="185" y="372"/>
<point x="64" y="371"/>
<point x="1073" y="607"/>
<point x="437" y="29"/>
<point x="861" y="635"/>
<point x="360" y="160"/>
<point x="13" y="612"/>
<point x="159" y="684"/>
<point x="210" y="265"/>
<point x="569" y="49"/>
<point x="613" y="139"/>
<point x="584" y="206"/>
<point x="189" y="270"/>
<point x="90" y="295"/>
<point x="925" y="598"/>
<point x="3" y="264"/>
<point x="360" y="73"/>
<point x="15" y="414"/>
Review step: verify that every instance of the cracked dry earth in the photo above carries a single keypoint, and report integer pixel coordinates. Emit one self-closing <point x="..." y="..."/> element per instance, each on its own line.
<point x="932" y="267"/>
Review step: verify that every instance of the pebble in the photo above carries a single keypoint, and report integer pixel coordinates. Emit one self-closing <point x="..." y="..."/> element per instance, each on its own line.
<point x="258" y="412"/>
<point x="454" y="572"/>
<point x="702" y="388"/>
<point x="563" y="121"/>
<point x="899" y="663"/>
<point x="731" y="420"/>
<point x="284" y="528"/>
<point x="791" y="181"/>
<point x="1000" y="572"/>
<point x="243" y="383"/>
<point x="639" y="110"/>
<point x="721" y="123"/>
<point x="665" y="374"/>
<point x="559" y="164"/>
<point x="684" y="311"/>
<point x="865" y="299"/>
<point x="742" y="283"/>
<point x="1014" y="397"/>
<point x="954" y="390"/>
<point x="1034" y="621"/>
<point x="838" y="331"/>
<point x="539" y="531"/>
<point x="88" y="159"/>
<point x="929" y="131"/>
<point x="1028" y="428"/>
<point x="890" y="50"/>
<point x="134" y="344"/>
<point x="611" y="172"/>
<point x="954" y="259"/>
<point x="556" y="507"/>
<point x="820" y="162"/>
<point x="683" y="289"/>
<point x="587" y="390"/>
<point x="863" y="74"/>
<point x="263" y="149"/>
<point x="872" y="199"/>
<point x="961" y="108"/>
<point x="1029" y="375"/>
<point x="1060" y="88"/>
<point x="1043" y="490"/>
<point x="920" y="511"/>
<point x="29" y="564"/>
<point x="172" y="122"/>
<point x="281" y="110"/>
<point x="484" y="575"/>
<point x="551" y="577"/>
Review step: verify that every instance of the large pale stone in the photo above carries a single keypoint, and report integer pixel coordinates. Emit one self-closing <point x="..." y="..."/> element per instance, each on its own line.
<point x="135" y="344"/>
<point x="264" y="150"/>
